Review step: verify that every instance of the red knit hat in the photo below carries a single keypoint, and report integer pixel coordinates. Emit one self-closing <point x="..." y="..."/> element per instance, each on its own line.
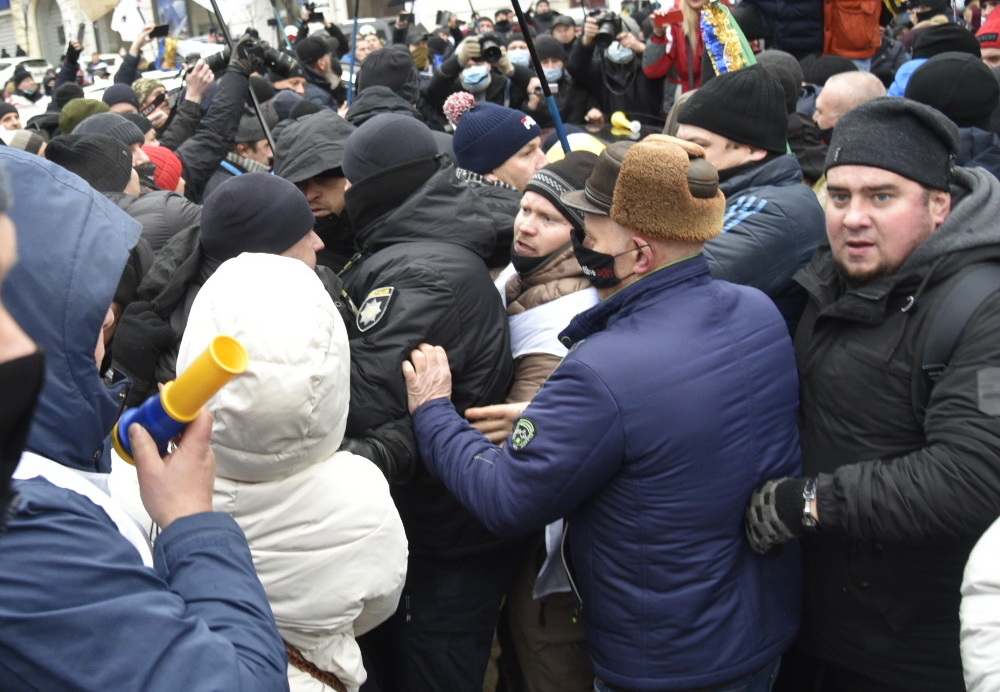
<point x="989" y="33"/>
<point x="168" y="167"/>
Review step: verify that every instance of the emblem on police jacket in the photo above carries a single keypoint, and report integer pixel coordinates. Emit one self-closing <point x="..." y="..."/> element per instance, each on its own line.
<point x="374" y="307"/>
<point x="524" y="432"/>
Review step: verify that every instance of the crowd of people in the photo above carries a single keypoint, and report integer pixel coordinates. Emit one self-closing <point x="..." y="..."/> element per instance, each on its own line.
<point x="711" y="405"/>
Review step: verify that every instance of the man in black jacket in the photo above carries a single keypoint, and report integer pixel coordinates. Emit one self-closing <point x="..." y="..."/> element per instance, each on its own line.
<point x="773" y="220"/>
<point x="422" y="235"/>
<point x="318" y="63"/>
<point x="902" y="471"/>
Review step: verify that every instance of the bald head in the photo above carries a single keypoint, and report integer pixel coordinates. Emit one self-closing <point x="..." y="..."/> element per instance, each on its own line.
<point x="844" y="92"/>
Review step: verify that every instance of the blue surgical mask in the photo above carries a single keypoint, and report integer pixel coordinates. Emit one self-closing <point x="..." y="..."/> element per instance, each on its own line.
<point x="618" y="54"/>
<point x="553" y="74"/>
<point x="476" y="78"/>
<point x="520" y="56"/>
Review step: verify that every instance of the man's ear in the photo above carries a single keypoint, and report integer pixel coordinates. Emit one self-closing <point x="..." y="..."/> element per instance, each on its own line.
<point x="645" y="258"/>
<point x="756" y="154"/>
<point x="939" y="205"/>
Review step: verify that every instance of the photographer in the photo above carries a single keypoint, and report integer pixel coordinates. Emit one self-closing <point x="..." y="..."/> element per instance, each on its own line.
<point x="573" y="100"/>
<point x="481" y="67"/>
<point x="215" y="135"/>
<point x="613" y="76"/>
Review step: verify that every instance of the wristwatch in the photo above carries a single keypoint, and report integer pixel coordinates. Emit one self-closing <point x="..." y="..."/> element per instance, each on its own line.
<point x="808" y="497"/>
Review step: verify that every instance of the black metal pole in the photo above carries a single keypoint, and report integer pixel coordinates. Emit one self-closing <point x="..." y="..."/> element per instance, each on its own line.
<point x="537" y="64"/>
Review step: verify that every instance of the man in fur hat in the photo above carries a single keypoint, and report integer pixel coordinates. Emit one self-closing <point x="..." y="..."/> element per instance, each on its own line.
<point x="640" y="438"/>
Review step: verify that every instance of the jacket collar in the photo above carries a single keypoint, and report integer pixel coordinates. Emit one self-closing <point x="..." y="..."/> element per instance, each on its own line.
<point x="782" y="170"/>
<point x="635" y="297"/>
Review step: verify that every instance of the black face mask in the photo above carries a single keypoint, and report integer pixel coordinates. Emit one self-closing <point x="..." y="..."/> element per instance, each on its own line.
<point x="146" y="171"/>
<point x="502" y="26"/>
<point x="20" y="381"/>
<point x="526" y="265"/>
<point x="598" y="267"/>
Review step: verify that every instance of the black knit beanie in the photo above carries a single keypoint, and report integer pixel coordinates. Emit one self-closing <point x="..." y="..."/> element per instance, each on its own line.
<point x="392" y="67"/>
<point x="959" y="85"/>
<point x="945" y="38"/>
<point x="383" y="142"/>
<point x="102" y="161"/>
<point x="566" y="175"/>
<point x="898" y="135"/>
<point x="786" y="69"/>
<point x="65" y="93"/>
<point x="113" y="125"/>
<point x="548" y="47"/>
<point x="746" y="106"/>
<point x="254" y="212"/>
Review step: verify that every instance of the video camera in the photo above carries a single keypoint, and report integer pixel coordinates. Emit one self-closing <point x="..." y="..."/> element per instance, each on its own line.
<point x="489" y="48"/>
<point x="609" y="25"/>
<point x="257" y="51"/>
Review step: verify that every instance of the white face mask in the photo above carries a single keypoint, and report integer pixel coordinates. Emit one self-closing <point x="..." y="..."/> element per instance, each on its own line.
<point x="520" y="56"/>
<point x="618" y="54"/>
<point x="475" y="79"/>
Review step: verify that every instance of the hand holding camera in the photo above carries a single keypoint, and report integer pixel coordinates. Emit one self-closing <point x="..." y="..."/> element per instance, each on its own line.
<point x="469" y="49"/>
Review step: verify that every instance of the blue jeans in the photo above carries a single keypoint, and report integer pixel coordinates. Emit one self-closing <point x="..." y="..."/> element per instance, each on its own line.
<point x="761" y="681"/>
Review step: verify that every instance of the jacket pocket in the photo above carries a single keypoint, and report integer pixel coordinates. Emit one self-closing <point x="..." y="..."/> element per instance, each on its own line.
<point x="851" y="28"/>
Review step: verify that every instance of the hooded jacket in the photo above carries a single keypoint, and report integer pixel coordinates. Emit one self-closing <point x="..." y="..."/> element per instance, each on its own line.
<point x="904" y="491"/>
<point x="652" y="467"/>
<point x="308" y="146"/>
<point x="429" y="251"/>
<point x="326" y="538"/>
<point x="79" y="591"/>
<point x="772" y="226"/>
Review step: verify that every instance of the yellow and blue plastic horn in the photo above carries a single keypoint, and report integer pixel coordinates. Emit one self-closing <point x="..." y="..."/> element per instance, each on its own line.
<point x="166" y="414"/>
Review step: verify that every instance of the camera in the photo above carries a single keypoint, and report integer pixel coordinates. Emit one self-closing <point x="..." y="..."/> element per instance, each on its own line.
<point x="609" y="25"/>
<point x="257" y="51"/>
<point x="489" y="48"/>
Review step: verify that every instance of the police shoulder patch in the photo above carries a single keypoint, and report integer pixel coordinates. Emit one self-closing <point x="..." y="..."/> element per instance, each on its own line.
<point x="524" y="432"/>
<point x="374" y="307"/>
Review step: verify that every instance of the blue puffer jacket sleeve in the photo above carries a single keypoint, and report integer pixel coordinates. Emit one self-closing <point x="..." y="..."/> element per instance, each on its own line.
<point x="575" y="443"/>
<point x="81" y="612"/>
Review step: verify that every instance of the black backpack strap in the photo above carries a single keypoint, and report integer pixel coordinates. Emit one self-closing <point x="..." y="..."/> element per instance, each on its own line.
<point x="952" y="314"/>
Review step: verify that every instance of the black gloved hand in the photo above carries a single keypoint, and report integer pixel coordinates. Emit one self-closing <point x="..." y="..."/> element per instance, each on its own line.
<point x="73" y="51"/>
<point x="249" y="55"/>
<point x="775" y="513"/>
<point x="391" y="446"/>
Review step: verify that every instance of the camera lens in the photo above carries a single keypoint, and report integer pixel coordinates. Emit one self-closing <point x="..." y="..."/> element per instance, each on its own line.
<point x="490" y="50"/>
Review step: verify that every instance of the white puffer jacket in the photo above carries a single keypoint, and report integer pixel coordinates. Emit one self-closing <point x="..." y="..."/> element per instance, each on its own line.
<point x="326" y="538"/>
<point x="981" y="614"/>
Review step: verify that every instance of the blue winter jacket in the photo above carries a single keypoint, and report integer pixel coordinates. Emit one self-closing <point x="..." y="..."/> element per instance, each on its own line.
<point x="677" y="400"/>
<point x="78" y="608"/>
<point x="772" y="226"/>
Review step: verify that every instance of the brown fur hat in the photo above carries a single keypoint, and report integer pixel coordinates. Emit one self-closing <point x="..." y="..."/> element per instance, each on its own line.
<point x="668" y="191"/>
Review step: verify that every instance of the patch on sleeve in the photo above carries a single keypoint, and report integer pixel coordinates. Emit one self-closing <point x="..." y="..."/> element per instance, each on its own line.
<point x="524" y="432"/>
<point x="374" y="307"/>
<point x="988" y="388"/>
